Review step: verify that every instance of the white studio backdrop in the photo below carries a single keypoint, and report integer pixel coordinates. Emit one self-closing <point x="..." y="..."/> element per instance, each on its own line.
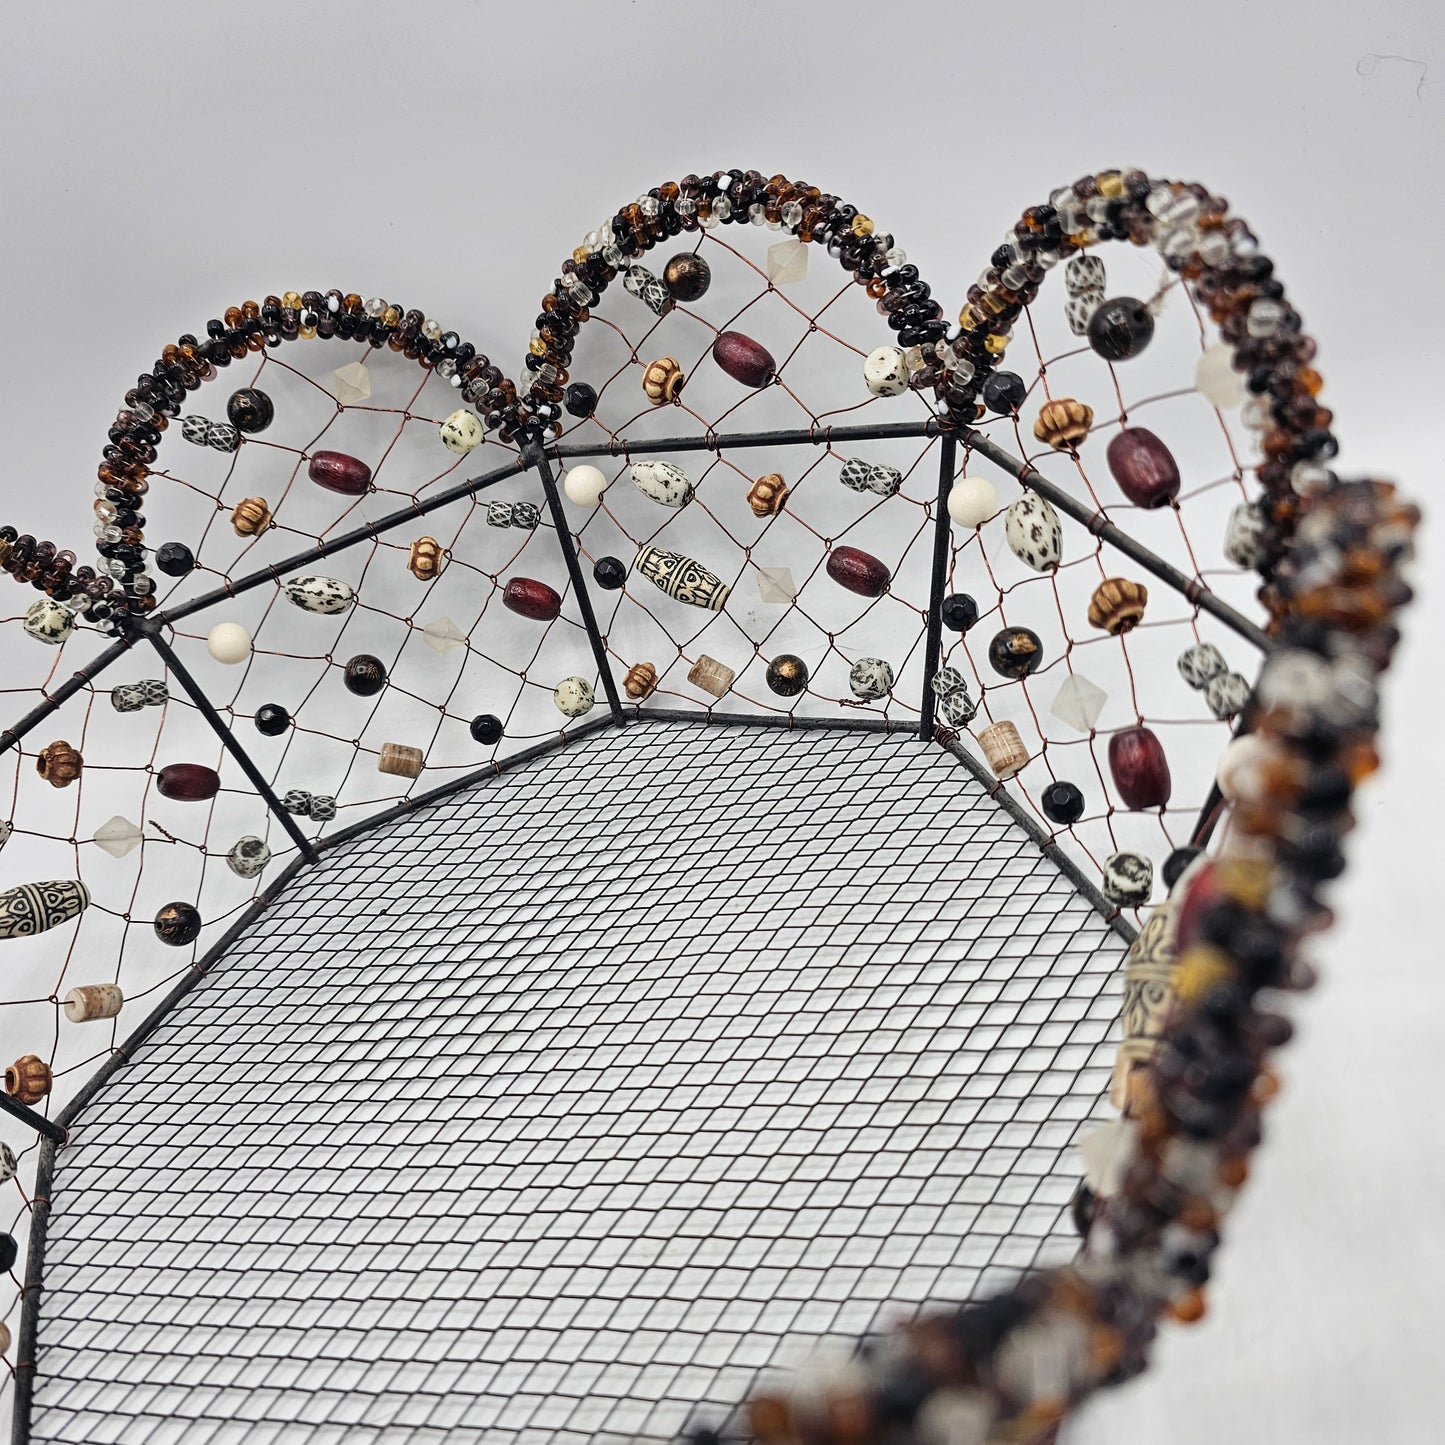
<point x="166" y="160"/>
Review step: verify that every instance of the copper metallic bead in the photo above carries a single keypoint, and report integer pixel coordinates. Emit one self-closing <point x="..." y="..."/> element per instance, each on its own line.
<point x="424" y="561"/>
<point x="251" y="517"/>
<point x="641" y="680"/>
<point x="1117" y="605"/>
<point x="767" y="495"/>
<point x="59" y="764"/>
<point x="662" y="380"/>
<point x="28" y="1079"/>
<point x="1063" y="423"/>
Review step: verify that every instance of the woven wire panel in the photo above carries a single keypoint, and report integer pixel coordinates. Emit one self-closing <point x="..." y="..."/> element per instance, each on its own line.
<point x="562" y="1107"/>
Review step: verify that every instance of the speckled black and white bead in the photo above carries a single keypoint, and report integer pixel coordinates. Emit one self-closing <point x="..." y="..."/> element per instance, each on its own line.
<point x="870" y="678"/>
<point x="885" y="371"/>
<point x="1034" y="533"/>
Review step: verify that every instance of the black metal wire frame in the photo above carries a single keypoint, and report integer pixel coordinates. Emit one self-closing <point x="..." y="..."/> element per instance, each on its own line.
<point x="536" y="457"/>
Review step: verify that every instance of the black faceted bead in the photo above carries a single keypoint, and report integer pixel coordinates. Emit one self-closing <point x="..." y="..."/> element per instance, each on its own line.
<point x="1121" y="328"/>
<point x="365" y="675"/>
<point x="178" y="924"/>
<point x="610" y="572"/>
<point x="1004" y="392"/>
<point x="959" y="612"/>
<point x="1015" y="652"/>
<point x="175" y="559"/>
<point x="9" y="1250"/>
<point x="1176" y="863"/>
<point x="272" y="719"/>
<point x="250" y="410"/>
<point x="580" y="399"/>
<point x="487" y="729"/>
<point x="1081" y="1209"/>
<point x="1062" y="803"/>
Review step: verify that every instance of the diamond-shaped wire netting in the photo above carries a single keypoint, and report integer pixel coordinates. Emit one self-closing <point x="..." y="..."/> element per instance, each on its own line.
<point x="563" y="1106"/>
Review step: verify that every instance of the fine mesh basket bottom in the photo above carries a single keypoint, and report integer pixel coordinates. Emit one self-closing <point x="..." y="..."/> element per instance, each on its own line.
<point x="558" y="1109"/>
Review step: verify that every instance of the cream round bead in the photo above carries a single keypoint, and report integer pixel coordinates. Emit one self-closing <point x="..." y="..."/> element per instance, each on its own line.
<point x="461" y="432"/>
<point x="584" y="485"/>
<point x="573" y="696"/>
<point x="229" y="642"/>
<point x="972" y="501"/>
<point x="885" y="371"/>
<point x="93" y="1001"/>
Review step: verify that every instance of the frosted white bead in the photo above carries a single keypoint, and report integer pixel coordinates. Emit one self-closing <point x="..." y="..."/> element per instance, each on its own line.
<point x="972" y="501"/>
<point x="885" y="371"/>
<point x="776" y="585"/>
<point x="584" y="485"/>
<point x="461" y="432"/>
<point x="787" y="261"/>
<point x="118" y="836"/>
<point x="443" y="636"/>
<point x="352" y="383"/>
<point x="229" y="642"/>
<point x="1217" y="380"/>
<point x="1078" y="703"/>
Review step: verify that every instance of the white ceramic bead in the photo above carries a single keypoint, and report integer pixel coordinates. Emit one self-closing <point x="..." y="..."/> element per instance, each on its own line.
<point x="46" y="620"/>
<point x="1128" y="879"/>
<point x="1034" y="533"/>
<point x="870" y="678"/>
<point x="324" y="595"/>
<point x="1244" y="536"/>
<point x="229" y="642"/>
<point x="1199" y="663"/>
<point x="584" y="485"/>
<point x="886" y="371"/>
<point x="461" y="432"/>
<point x="972" y="501"/>
<point x="573" y="696"/>
<point x="248" y="858"/>
<point x="663" y="483"/>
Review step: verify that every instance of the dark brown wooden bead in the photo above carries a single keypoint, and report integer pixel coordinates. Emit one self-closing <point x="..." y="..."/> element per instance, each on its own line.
<point x="1143" y="467"/>
<point x="858" y="571"/>
<point x="1139" y="768"/>
<point x="743" y="359"/>
<point x="530" y="598"/>
<point x="188" y="782"/>
<point x="338" y="472"/>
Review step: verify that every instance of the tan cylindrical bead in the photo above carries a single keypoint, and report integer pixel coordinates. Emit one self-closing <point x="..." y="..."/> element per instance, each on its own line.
<point x="28" y="1079"/>
<point x="93" y="1001"/>
<point x="1148" y="999"/>
<point x="1004" y="749"/>
<point x="711" y="675"/>
<point x="401" y="760"/>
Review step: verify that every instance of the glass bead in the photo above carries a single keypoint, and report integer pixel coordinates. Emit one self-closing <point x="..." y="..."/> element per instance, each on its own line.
<point x="1062" y="803"/>
<point x="351" y="383"/>
<point x="1078" y="703"/>
<point x="1004" y="392"/>
<point x="175" y="559"/>
<point x="1265" y="317"/>
<point x="486" y="728"/>
<point x="118" y="836"/>
<point x="959" y="612"/>
<point x="443" y="636"/>
<point x="787" y="263"/>
<point x="776" y="586"/>
<point x="610" y="573"/>
<point x="271" y="719"/>
<point x="1217" y="380"/>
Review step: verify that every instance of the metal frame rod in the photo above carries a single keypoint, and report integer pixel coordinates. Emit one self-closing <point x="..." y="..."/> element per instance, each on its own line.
<point x="1192" y="588"/>
<point x="932" y="655"/>
<point x="67" y="689"/>
<point x="534" y="456"/>
<point x="710" y="441"/>
<point x="339" y="544"/>
<point x="25" y="1342"/>
<point x="46" y="1128"/>
<point x="228" y="741"/>
<point x="787" y="722"/>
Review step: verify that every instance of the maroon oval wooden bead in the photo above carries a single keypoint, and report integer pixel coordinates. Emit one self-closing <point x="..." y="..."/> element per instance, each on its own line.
<point x="744" y="359"/>
<point x="338" y="472"/>
<point x="1144" y="467"/>
<point x="859" y="572"/>
<point x="188" y="782"/>
<point x="531" y="598"/>
<point x="1140" y="769"/>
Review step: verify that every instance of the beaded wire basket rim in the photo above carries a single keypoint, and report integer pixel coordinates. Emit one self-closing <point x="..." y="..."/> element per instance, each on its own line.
<point x="526" y="418"/>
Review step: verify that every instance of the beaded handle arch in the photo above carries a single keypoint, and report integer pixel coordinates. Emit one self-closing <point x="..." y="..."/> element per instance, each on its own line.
<point x="1329" y="554"/>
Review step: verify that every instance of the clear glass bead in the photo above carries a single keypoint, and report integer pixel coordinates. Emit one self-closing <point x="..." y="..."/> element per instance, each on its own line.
<point x="1265" y="317"/>
<point x="722" y="208"/>
<point x="896" y="256"/>
<point x="1014" y="277"/>
<point x="373" y="306"/>
<point x="432" y="330"/>
<point x="1096" y="208"/>
<point x="591" y="241"/>
<point x="686" y="206"/>
<point x="650" y="205"/>
<point x="607" y="236"/>
<point x="1255" y="414"/>
<point x="142" y="586"/>
<point x="1214" y="249"/>
<point x="105" y="511"/>
<point x="1173" y="208"/>
<point x="1062" y="197"/>
<point x="446" y="368"/>
<point x="756" y="214"/>
<point x="1177" y="242"/>
<point x="613" y="257"/>
<point x="793" y="215"/>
